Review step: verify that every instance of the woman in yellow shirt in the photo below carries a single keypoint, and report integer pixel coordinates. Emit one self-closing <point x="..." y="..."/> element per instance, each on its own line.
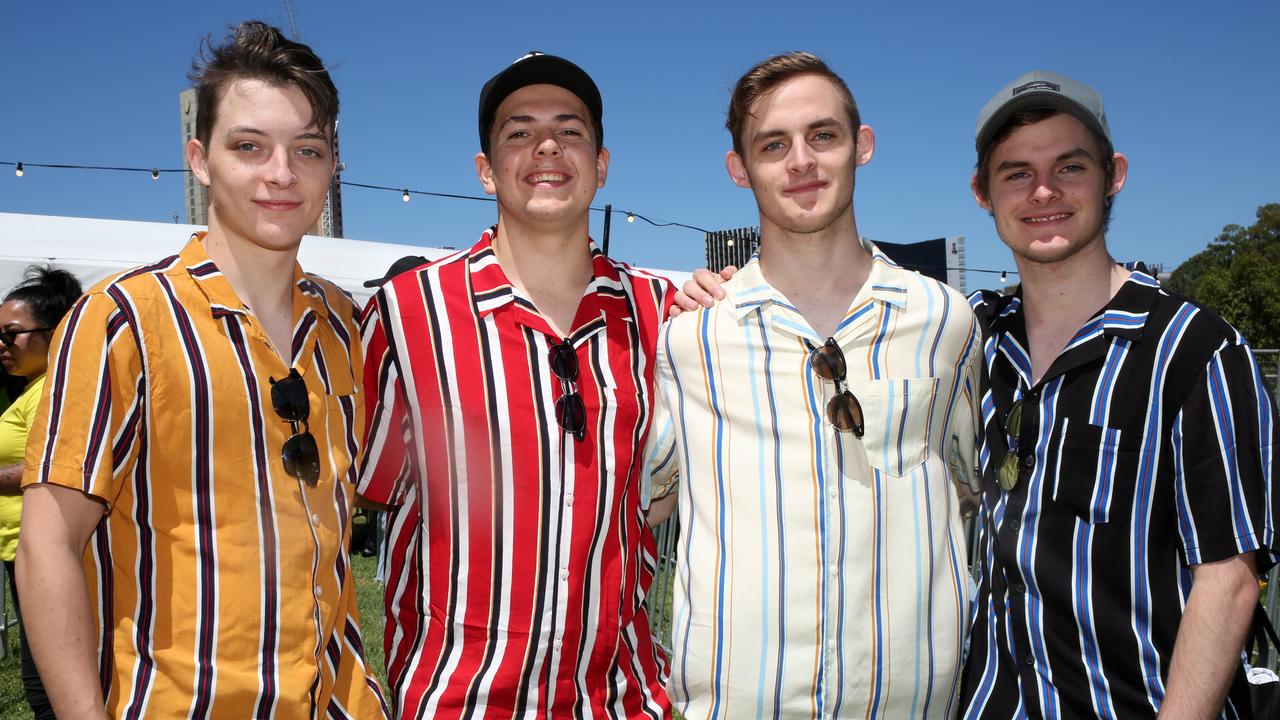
<point x="28" y="316"/>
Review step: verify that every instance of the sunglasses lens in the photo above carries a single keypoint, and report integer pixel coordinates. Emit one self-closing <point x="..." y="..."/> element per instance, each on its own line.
<point x="828" y="361"/>
<point x="8" y="338"/>
<point x="844" y="412"/>
<point x="564" y="362"/>
<point x="1013" y="422"/>
<point x="302" y="458"/>
<point x="1008" y="472"/>
<point x="572" y="415"/>
<point x="289" y="398"/>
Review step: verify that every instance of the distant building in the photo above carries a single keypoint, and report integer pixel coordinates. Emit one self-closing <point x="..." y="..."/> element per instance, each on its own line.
<point x="197" y="195"/>
<point x="942" y="259"/>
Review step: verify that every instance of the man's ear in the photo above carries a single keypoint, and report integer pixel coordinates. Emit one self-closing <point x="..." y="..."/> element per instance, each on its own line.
<point x="977" y="194"/>
<point x="866" y="146"/>
<point x="198" y="161"/>
<point x="737" y="169"/>
<point x="1120" y="168"/>
<point x="484" y="171"/>
<point x="602" y="166"/>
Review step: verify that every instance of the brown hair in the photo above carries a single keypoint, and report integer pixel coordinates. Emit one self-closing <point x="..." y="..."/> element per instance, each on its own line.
<point x="257" y="51"/>
<point x="1023" y="118"/>
<point x="768" y="75"/>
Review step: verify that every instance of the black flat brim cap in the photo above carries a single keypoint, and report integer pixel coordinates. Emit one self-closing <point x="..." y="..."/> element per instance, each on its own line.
<point x="539" y="69"/>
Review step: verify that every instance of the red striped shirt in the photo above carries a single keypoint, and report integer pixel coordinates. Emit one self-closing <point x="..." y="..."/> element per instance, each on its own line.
<point x="519" y="557"/>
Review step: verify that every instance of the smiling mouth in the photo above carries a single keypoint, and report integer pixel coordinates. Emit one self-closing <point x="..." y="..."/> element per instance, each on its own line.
<point x="1046" y="218"/>
<point x="806" y="187"/>
<point x="548" y="177"/>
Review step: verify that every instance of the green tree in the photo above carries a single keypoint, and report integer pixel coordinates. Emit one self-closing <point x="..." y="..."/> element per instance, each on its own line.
<point x="1238" y="276"/>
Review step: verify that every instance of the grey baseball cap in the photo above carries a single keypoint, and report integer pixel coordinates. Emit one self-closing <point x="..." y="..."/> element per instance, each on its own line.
<point x="1042" y="89"/>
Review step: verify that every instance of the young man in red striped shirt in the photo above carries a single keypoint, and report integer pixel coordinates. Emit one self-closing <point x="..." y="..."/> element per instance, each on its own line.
<point x="510" y="390"/>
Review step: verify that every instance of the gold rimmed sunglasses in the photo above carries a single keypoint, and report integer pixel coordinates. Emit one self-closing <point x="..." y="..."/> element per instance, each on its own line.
<point x="1009" y="465"/>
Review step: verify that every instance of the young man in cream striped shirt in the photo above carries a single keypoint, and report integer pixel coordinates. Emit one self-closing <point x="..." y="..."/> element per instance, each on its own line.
<point x="809" y="428"/>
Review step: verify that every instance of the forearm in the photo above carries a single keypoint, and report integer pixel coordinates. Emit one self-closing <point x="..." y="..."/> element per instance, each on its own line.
<point x="661" y="509"/>
<point x="56" y="611"/>
<point x="1211" y="635"/>
<point x="11" y="479"/>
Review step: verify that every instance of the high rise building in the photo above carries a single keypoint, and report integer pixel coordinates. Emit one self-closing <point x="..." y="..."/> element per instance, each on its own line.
<point x="197" y="195"/>
<point x="942" y="259"/>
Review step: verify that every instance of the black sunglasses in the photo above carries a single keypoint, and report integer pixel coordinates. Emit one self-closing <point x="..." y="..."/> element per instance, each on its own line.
<point x="570" y="412"/>
<point x="300" y="455"/>
<point x="1010" y="464"/>
<point x="10" y="337"/>
<point x="844" y="412"/>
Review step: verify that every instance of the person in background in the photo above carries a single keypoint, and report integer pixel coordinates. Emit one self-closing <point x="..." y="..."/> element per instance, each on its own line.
<point x="28" y="316"/>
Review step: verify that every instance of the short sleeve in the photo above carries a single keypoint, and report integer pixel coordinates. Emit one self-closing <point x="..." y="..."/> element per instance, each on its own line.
<point x="661" y="466"/>
<point x="1224" y="471"/>
<point x="86" y="429"/>
<point x="964" y="441"/>
<point x="384" y="465"/>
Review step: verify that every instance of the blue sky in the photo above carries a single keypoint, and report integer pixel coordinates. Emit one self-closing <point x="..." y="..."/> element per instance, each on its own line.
<point x="1190" y="89"/>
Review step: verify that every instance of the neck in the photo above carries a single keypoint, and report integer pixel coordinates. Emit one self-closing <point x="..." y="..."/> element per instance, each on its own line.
<point x="830" y="262"/>
<point x="262" y="278"/>
<point x="1068" y="292"/>
<point x="544" y="259"/>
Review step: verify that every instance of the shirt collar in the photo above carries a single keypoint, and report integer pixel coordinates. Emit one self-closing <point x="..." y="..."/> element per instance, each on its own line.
<point x="886" y="283"/>
<point x="1124" y="316"/>
<point x="223" y="300"/>
<point x="491" y="289"/>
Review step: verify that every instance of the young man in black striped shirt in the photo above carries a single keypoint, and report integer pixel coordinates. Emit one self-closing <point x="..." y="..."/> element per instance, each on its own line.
<point x="1127" y="459"/>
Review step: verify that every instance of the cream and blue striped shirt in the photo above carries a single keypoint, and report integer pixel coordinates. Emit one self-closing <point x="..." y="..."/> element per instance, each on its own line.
<point x="819" y="575"/>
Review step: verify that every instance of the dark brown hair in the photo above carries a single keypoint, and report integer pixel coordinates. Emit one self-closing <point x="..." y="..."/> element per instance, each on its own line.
<point x="257" y="51"/>
<point x="769" y="74"/>
<point x="1023" y="118"/>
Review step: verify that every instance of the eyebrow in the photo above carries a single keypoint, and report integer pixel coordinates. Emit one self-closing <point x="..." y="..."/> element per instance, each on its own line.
<point x="816" y="124"/>
<point x="246" y="130"/>
<point x="563" y="117"/>
<point x="1068" y="155"/>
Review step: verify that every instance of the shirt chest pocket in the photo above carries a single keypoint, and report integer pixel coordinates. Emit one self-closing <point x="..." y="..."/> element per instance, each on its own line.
<point x="1095" y="471"/>
<point x="896" y="415"/>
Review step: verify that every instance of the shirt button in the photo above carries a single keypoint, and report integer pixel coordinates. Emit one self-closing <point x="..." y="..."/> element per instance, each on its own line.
<point x="315" y="518"/>
<point x="319" y="591"/>
<point x="558" y="644"/>
<point x="1028" y="660"/>
<point x="1034" y="395"/>
<point x="832" y="493"/>
<point x="1028" y="461"/>
<point x="1014" y="525"/>
<point x="568" y="500"/>
<point x="835" y="572"/>
<point x="564" y="575"/>
<point x="1019" y="588"/>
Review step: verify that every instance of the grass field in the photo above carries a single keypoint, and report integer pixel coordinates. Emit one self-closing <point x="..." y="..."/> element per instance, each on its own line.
<point x="368" y="597"/>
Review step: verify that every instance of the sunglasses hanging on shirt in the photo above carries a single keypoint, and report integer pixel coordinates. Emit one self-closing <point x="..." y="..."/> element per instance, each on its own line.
<point x="844" y="412"/>
<point x="300" y="455"/>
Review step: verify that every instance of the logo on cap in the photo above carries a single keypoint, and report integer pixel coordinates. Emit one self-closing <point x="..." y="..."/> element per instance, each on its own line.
<point x="1037" y="85"/>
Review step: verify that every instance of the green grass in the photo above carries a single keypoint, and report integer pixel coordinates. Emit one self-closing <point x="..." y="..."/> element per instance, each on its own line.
<point x="12" y="704"/>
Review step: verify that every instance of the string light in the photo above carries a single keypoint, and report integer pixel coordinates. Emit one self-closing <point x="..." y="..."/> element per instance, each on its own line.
<point x="19" y="169"/>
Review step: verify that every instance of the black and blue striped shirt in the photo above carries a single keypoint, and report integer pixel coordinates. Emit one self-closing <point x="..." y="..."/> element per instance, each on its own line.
<point x="1146" y="448"/>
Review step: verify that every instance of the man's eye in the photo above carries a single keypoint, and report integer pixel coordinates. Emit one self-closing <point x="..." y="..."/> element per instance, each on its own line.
<point x="246" y="147"/>
<point x="1018" y="175"/>
<point x="824" y="136"/>
<point x="309" y="152"/>
<point x="571" y="131"/>
<point x="773" y="146"/>
<point x="1073" y="168"/>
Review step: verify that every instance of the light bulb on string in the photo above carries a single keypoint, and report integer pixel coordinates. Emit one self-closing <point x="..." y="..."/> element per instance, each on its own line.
<point x="1003" y="276"/>
<point x="18" y="172"/>
<point x="405" y="197"/>
<point x="631" y="217"/>
<point x="155" y="174"/>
